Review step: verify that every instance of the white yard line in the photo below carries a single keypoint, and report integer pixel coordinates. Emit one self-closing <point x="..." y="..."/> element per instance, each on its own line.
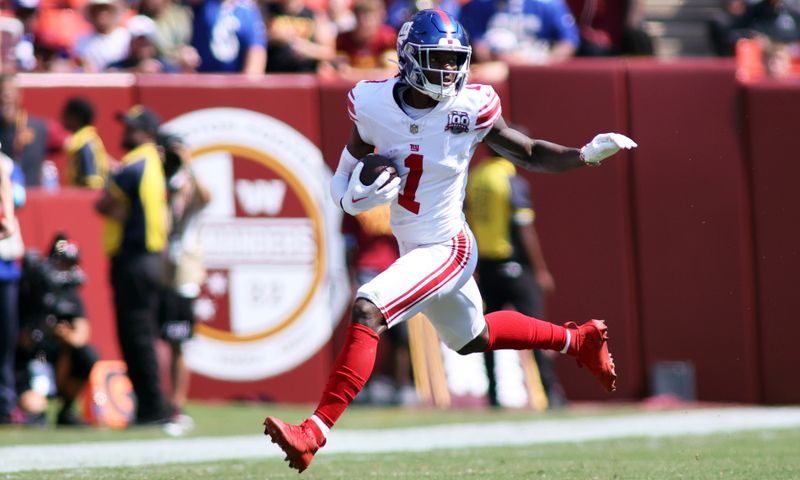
<point x="205" y="449"/>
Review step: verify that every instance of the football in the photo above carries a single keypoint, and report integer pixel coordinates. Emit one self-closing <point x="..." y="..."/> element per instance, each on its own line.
<point x="374" y="165"/>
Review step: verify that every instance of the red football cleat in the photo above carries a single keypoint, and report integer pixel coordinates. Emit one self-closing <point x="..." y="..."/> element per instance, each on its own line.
<point x="298" y="442"/>
<point x="592" y="351"/>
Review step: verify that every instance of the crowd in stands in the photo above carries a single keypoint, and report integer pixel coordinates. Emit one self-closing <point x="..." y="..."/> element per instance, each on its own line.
<point x="330" y="36"/>
<point x="255" y="37"/>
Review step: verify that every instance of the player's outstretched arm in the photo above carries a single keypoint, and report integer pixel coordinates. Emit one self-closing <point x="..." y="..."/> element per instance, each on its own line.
<point x="544" y="156"/>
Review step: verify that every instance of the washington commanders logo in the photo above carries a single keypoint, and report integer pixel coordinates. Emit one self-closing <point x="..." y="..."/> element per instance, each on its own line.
<point x="276" y="281"/>
<point x="457" y="122"/>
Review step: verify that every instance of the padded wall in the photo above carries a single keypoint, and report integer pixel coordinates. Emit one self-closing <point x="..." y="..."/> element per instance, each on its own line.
<point x="692" y="224"/>
<point x="773" y="116"/>
<point x="291" y="98"/>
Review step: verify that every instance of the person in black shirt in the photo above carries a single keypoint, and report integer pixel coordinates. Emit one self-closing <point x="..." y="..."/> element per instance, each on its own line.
<point x="22" y="137"/>
<point x="54" y="356"/>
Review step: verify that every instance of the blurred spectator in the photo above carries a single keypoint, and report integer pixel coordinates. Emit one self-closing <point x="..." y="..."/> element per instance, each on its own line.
<point x="770" y="28"/>
<point x="528" y="32"/>
<point x="184" y="268"/>
<point x="143" y="56"/>
<point x="27" y="12"/>
<point x="135" y="235"/>
<point x="400" y="11"/>
<point x="774" y="19"/>
<point x="229" y="36"/>
<point x="22" y="137"/>
<point x="778" y="58"/>
<point x="11" y="31"/>
<point x="371" y="248"/>
<point x="299" y="38"/>
<point x="173" y="31"/>
<point x="12" y="196"/>
<point x="54" y="355"/>
<point x="108" y="42"/>
<point x="87" y="159"/>
<point x="760" y="56"/>
<point x="341" y="15"/>
<point x="610" y="27"/>
<point x="372" y="43"/>
<point x="474" y="16"/>
<point x="511" y="265"/>
<point x="720" y="26"/>
<point x="57" y="33"/>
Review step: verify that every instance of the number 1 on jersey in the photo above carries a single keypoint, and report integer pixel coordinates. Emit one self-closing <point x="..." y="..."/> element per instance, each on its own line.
<point x="406" y="199"/>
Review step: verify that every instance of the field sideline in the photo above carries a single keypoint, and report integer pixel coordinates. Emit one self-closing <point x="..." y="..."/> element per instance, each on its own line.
<point x="676" y="423"/>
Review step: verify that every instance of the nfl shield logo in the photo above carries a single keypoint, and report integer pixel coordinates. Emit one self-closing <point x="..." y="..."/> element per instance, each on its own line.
<point x="414" y="128"/>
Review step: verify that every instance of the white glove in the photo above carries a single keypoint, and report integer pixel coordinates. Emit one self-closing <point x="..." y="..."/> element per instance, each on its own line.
<point x="359" y="197"/>
<point x="603" y="146"/>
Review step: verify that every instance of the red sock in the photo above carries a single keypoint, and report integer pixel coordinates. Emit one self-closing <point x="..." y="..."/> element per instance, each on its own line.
<point x="350" y="372"/>
<point x="515" y="331"/>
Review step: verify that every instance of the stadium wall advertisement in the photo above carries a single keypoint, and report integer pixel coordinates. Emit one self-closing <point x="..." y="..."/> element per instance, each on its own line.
<point x="277" y="280"/>
<point x="686" y="245"/>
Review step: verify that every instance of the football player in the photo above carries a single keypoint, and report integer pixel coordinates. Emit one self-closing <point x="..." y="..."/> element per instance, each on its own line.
<point x="429" y="121"/>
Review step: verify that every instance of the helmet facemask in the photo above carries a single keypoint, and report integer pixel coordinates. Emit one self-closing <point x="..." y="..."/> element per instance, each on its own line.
<point x="418" y="66"/>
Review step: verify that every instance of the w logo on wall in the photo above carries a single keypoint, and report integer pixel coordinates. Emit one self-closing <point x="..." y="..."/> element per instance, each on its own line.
<point x="270" y="238"/>
<point x="261" y="196"/>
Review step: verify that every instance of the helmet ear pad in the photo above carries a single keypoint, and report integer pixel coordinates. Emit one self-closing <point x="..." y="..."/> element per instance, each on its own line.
<point x="427" y="32"/>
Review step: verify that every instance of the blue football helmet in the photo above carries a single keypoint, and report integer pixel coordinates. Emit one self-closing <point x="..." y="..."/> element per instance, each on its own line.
<point x="433" y="31"/>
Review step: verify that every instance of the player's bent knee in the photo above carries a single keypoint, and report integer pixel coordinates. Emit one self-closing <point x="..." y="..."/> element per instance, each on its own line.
<point x="366" y="313"/>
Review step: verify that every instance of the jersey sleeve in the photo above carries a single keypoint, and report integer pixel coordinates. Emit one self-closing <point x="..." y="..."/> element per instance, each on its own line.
<point x="86" y="161"/>
<point x="563" y="22"/>
<point x="489" y="109"/>
<point x="253" y="32"/>
<point x="355" y="110"/>
<point x="351" y="105"/>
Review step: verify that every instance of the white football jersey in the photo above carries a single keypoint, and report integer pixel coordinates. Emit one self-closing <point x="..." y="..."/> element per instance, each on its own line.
<point x="432" y="153"/>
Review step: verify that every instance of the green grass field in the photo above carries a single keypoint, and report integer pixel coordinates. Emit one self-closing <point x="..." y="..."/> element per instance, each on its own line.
<point x="754" y="455"/>
<point x="243" y="418"/>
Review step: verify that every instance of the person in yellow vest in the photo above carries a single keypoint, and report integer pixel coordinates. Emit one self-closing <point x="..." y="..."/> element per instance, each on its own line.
<point x="134" y="203"/>
<point x="87" y="160"/>
<point x="511" y="266"/>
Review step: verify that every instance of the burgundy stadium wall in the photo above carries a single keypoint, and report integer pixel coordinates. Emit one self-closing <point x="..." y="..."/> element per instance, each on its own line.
<point x="687" y="246"/>
<point x="693" y="225"/>
<point x="773" y="114"/>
